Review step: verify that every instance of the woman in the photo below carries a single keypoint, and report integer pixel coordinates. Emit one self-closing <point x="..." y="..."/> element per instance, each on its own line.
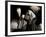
<point x="30" y="18"/>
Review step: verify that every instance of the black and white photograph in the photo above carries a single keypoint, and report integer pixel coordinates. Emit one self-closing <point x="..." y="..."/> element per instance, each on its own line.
<point x="25" y="18"/>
